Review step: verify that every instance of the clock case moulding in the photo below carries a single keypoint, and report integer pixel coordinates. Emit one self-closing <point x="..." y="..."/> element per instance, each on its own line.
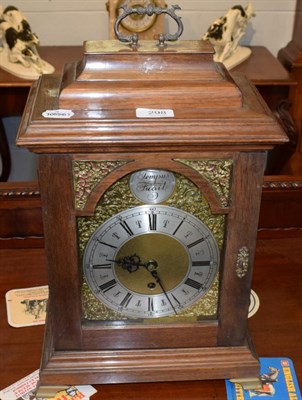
<point x="217" y="116"/>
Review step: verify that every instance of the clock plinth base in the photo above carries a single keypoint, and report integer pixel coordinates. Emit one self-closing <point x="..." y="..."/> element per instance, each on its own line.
<point x="148" y="365"/>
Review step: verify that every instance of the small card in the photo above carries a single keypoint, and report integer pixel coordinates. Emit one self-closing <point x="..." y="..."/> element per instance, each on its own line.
<point x="278" y="381"/>
<point x="25" y="388"/>
<point x="63" y="114"/>
<point x="22" y="389"/>
<point x="81" y="392"/>
<point x="154" y="113"/>
<point x="254" y="304"/>
<point x="26" y="307"/>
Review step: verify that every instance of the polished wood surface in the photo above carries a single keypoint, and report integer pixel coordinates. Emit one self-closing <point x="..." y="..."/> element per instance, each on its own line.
<point x="280" y="192"/>
<point x="20" y="215"/>
<point x="14" y="90"/>
<point x="272" y="80"/>
<point x="276" y="328"/>
<point x="291" y="57"/>
<point x="266" y="72"/>
<point x="168" y="385"/>
<point x="264" y="69"/>
<point x="216" y="117"/>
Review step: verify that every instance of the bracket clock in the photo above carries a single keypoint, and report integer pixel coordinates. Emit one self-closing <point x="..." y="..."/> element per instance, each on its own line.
<point x="151" y="161"/>
<point x="147" y="26"/>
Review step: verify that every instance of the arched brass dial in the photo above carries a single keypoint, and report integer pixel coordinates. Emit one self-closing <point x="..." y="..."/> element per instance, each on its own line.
<point x="151" y="261"/>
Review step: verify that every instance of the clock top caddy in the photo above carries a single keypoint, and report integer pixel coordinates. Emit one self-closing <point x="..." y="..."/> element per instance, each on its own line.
<point x="151" y="162"/>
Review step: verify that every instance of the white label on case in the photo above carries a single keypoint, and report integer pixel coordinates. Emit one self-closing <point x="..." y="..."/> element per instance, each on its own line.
<point x="154" y="113"/>
<point x="58" y="113"/>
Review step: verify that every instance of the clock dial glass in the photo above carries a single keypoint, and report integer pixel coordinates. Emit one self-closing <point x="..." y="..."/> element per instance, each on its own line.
<point x="135" y="22"/>
<point x="151" y="261"/>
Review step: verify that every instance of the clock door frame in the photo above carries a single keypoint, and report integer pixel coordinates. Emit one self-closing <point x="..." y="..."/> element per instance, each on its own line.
<point x="222" y="344"/>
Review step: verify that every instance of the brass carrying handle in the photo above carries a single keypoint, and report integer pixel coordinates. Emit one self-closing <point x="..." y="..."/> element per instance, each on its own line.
<point x="149" y="10"/>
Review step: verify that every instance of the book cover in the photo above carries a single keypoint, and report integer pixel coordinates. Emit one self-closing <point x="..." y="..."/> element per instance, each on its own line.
<point x="278" y="381"/>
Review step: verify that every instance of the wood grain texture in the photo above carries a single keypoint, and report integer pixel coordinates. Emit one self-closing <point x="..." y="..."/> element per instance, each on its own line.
<point x="276" y="327"/>
<point x="61" y="250"/>
<point x="20" y="215"/>
<point x="291" y="57"/>
<point x="216" y="117"/>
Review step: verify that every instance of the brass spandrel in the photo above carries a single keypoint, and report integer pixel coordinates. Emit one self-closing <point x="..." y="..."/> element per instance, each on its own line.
<point x="87" y="175"/>
<point x="217" y="172"/>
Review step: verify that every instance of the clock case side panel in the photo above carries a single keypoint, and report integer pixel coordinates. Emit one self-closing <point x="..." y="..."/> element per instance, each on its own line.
<point x="63" y="274"/>
<point x="240" y="246"/>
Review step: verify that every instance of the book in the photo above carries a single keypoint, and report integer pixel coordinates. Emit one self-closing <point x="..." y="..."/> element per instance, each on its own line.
<point x="278" y="381"/>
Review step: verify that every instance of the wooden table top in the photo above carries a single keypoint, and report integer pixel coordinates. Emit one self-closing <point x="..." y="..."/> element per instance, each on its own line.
<point x="262" y="68"/>
<point x="276" y="328"/>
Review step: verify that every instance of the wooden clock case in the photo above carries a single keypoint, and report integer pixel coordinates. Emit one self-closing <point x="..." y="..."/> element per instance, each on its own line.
<point x="214" y="118"/>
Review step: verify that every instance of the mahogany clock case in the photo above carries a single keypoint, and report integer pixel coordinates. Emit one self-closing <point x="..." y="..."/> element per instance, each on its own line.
<point x="217" y="141"/>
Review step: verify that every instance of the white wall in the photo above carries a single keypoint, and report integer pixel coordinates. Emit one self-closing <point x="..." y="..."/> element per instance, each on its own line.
<point x="71" y="22"/>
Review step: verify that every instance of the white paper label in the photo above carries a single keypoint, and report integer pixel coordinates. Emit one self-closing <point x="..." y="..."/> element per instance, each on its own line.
<point x="154" y="113"/>
<point x="58" y="114"/>
<point x="24" y="388"/>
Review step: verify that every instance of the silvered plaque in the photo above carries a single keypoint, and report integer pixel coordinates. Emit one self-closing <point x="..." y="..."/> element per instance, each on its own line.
<point x="152" y="186"/>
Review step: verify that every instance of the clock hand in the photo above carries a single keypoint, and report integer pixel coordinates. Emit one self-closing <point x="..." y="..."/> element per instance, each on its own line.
<point x="130" y="263"/>
<point x="151" y="267"/>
